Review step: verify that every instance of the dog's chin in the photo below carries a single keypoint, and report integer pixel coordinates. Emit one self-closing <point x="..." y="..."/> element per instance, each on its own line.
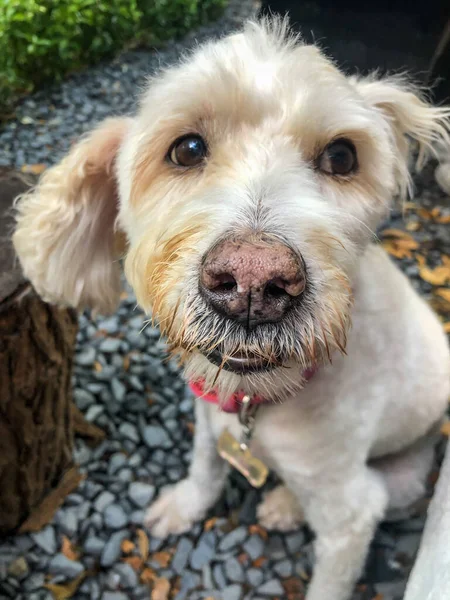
<point x="240" y="364"/>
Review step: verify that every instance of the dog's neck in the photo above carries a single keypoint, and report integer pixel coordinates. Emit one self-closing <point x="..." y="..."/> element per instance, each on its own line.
<point x="234" y="403"/>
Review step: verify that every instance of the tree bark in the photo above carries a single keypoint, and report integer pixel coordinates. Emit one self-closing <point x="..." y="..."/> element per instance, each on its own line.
<point x="36" y="420"/>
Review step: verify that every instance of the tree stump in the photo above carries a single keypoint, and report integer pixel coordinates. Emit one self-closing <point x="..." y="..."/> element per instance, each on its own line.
<point x="37" y="343"/>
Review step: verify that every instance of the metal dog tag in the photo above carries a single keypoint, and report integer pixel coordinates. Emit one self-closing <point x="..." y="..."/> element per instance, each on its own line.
<point x="238" y="453"/>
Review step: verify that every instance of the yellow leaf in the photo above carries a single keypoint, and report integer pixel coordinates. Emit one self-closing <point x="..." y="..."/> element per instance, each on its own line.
<point x="413" y="226"/>
<point x="135" y="562"/>
<point x="445" y="260"/>
<point x="443" y="293"/>
<point x="436" y="211"/>
<point x="161" y="589"/>
<point x="148" y="575"/>
<point x="143" y="544"/>
<point x="424" y="213"/>
<point x="127" y="546"/>
<point x="36" y="169"/>
<point x="400" y="248"/>
<point x="66" y="590"/>
<point x="447" y="327"/>
<point x="162" y="558"/>
<point x="209" y="524"/>
<point x="437" y="276"/>
<point x="443" y="219"/>
<point x="397" y="233"/>
<point x="445" y="429"/>
<point x="421" y="260"/>
<point x="68" y="550"/>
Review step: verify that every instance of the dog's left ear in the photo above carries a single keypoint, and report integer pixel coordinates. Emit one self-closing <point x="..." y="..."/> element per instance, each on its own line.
<point x="410" y="116"/>
<point x="65" y="236"/>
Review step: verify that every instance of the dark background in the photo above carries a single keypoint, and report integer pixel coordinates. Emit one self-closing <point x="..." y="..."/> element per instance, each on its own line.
<point x="392" y="35"/>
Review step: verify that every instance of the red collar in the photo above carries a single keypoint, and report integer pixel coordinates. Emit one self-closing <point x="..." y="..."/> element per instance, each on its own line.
<point x="234" y="403"/>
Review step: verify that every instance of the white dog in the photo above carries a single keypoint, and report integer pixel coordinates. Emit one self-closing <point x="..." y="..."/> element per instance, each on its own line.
<point x="247" y="189"/>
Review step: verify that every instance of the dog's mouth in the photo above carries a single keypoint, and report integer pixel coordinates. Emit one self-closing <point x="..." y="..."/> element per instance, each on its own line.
<point x="240" y="363"/>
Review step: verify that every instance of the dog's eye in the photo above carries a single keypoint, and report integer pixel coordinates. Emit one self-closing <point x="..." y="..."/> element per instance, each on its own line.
<point x="338" y="158"/>
<point x="188" y="151"/>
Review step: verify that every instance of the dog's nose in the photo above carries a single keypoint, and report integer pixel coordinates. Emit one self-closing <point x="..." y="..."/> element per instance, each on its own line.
<point x="252" y="282"/>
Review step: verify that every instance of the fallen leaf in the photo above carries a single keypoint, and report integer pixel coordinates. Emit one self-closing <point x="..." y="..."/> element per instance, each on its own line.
<point x="443" y="219"/>
<point x="123" y="295"/>
<point x="127" y="546"/>
<point x="445" y="429"/>
<point x="410" y="206"/>
<point x="161" y="589"/>
<point x="421" y="260"/>
<point x="162" y="558"/>
<point x="148" y="575"/>
<point x="378" y="597"/>
<point x="36" y="169"/>
<point x="397" y="234"/>
<point x="443" y="293"/>
<point x="68" y="550"/>
<point x="413" y="226"/>
<point x="243" y="558"/>
<point x="436" y="211"/>
<point x="438" y="276"/>
<point x="135" y="562"/>
<point x="66" y="590"/>
<point x="98" y="367"/>
<point x="447" y="327"/>
<point x="258" y="530"/>
<point x="425" y="214"/>
<point x="126" y="363"/>
<point x="445" y="260"/>
<point x="143" y="544"/>
<point x="190" y="427"/>
<point x="209" y="524"/>
<point x="258" y="562"/>
<point x="400" y="248"/>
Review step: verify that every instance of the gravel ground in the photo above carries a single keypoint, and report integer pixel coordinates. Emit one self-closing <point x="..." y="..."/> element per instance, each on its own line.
<point x="124" y="383"/>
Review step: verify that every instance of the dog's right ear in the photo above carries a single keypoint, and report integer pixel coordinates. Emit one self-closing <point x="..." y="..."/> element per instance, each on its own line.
<point x="66" y="235"/>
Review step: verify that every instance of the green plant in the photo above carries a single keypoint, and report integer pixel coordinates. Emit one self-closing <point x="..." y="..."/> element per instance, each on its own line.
<point x="43" y="40"/>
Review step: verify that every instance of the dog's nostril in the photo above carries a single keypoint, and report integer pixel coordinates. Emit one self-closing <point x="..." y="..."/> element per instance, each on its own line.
<point x="224" y="283"/>
<point x="276" y="288"/>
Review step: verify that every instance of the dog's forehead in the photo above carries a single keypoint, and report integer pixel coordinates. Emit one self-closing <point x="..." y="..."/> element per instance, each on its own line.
<point x="257" y="72"/>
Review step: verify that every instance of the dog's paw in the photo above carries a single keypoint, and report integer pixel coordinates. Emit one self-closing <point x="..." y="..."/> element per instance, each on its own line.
<point x="176" y="509"/>
<point x="280" y="510"/>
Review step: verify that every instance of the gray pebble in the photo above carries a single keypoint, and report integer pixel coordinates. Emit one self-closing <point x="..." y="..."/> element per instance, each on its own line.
<point x="295" y="541"/>
<point x="204" y="551"/>
<point x="103" y="500"/>
<point x="137" y="517"/>
<point x="128" y="576"/>
<point x="232" y="539"/>
<point x="33" y="582"/>
<point x="275" y="547"/>
<point x="114" y="596"/>
<point x="283" y="568"/>
<point x="116" y="461"/>
<point x="234" y="570"/>
<point x="60" y="565"/>
<point x="94" y="411"/>
<point x="110" y="325"/>
<point x="125" y="475"/>
<point x="219" y="576"/>
<point x="110" y="345"/>
<point x="156" y="436"/>
<point x="114" y="516"/>
<point x="129" y="432"/>
<point x="86" y="358"/>
<point x="45" y="539"/>
<point x="254" y="546"/>
<point x="141" y="493"/>
<point x="94" y="546"/>
<point x="112" y="549"/>
<point x="255" y="577"/>
<point x="271" y="588"/>
<point x="118" y="389"/>
<point x="83" y="398"/>
<point x="232" y="592"/>
<point x="181" y="556"/>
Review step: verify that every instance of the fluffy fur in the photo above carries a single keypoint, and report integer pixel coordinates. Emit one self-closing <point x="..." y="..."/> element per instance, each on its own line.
<point x="355" y="440"/>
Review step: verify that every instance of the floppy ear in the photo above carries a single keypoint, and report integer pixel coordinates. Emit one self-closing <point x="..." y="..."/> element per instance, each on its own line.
<point x="410" y="117"/>
<point x="65" y="234"/>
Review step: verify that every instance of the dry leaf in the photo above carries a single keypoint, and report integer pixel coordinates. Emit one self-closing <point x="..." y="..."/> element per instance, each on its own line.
<point x="397" y="234"/>
<point x="443" y="220"/>
<point x="436" y="211"/>
<point x="68" y="550"/>
<point x="98" y="367"/>
<point x="413" y="226"/>
<point x="36" y="169"/>
<point x="127" y="546"/>
<point x="445" y="260"/>
<point x="148" y="575"/>
<point x="258" y="530"/>
<point x="143" y="544"/>
<point x="445" y="429"/>
<point x="126" y="363"/>
<point x="447" y="327"/>
<point x="421" y="260"/>
<point x="258" y="562"/>
<point x="209" y="524"/>
<point x="438" y="276"/>
<point x="400" y="248"/>
<point x="135" y="562"/>
<point x="443" y="293"/>
<point x="162" y="558"/>
<point x="161" y="589"/>
<point x="425" y="214"/>
<point x="66" y="590"/>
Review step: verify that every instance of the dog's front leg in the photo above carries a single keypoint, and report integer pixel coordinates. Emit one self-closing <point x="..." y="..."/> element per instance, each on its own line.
<point x="344" y="512"/>
<point x="179" y="507"/>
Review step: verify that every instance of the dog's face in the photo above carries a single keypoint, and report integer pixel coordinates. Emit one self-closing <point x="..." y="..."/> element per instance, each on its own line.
<point x="248" y="186"/>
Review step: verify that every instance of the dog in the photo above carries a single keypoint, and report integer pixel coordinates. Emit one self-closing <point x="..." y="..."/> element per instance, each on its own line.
<point x="244" y="196"/>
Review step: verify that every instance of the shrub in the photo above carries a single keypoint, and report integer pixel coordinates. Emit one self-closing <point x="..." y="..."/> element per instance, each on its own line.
<point x="43" y="40"/>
